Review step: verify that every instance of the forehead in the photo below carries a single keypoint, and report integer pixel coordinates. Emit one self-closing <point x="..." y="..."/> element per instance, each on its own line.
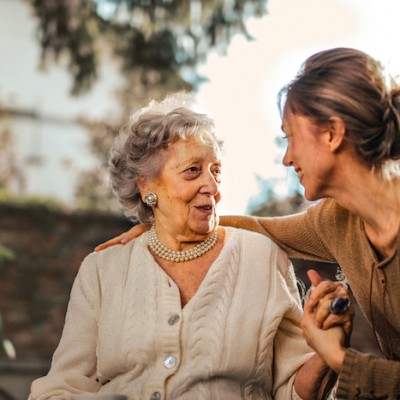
<point x="192" y="148"/>
<point x="292" y="121"/>
<point x="286" y="122"/>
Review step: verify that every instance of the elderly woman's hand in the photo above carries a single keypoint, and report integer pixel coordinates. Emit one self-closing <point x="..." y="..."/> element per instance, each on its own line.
<point x="327" y="333"/>
<point x="320" y="299"/>
<point x="125" y="237"/>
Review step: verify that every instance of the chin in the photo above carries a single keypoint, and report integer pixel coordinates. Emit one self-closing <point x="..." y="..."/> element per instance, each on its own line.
<point x="206" y="227"/>
<point x="308" y="197"/>
<point x="312" y="196"/>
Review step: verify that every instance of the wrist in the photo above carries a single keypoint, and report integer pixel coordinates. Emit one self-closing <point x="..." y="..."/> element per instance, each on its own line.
<point x="335" y="361"/>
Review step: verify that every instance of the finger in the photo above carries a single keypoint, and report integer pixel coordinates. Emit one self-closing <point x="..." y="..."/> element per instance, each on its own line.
<point x="125" y="237"/>
<point x="334" y="320"/>
<point x="348" y="329"/>
<point x="341" y="291"/>
<point x="335" y="303"/>
<point x="345" y="319"/>
<point x="314" y="276"/>
<point x="323" y="289"/>
<point x="322" y="311"/>
<point x="108" y="243"/>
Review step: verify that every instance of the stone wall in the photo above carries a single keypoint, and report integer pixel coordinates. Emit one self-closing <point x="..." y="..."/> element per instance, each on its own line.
<point x="49" y="247"/>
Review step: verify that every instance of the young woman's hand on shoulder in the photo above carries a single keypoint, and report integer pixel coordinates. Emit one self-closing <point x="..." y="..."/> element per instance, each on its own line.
<point x="125" y="237"/>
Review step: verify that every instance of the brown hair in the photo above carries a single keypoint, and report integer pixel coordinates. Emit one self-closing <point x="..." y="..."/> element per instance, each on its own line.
<point x="349" y="84"/>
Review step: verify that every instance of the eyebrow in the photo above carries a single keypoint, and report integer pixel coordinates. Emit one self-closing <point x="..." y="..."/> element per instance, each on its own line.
<point x="188" y="161"/>
<point x="194" y="160"/>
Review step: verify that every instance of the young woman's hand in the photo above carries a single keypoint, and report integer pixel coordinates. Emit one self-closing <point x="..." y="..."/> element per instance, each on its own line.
<point x="125" y="237"/>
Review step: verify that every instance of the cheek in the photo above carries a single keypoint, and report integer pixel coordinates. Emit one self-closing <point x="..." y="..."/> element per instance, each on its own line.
<point x="182" y="195"/>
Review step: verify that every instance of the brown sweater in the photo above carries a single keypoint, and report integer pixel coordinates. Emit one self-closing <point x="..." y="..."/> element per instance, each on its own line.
<point x="329" y="232"/>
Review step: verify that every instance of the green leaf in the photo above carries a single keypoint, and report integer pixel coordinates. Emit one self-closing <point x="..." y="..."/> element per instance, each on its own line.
<point x="6" y="254"/>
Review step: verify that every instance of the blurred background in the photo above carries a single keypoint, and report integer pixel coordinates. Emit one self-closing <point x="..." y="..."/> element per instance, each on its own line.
<point x="71" y="73"/>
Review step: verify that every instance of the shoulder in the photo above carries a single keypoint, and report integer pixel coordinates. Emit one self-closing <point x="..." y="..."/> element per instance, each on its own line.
<point x="328" y="208"/>
<point x="112" y="259"/>
<point x="246" y="236"/>
<point x="116" y="252"/>
<point x="330" y="214"/>
<point x="268" y="263"/>
<point x="255" y="244"/>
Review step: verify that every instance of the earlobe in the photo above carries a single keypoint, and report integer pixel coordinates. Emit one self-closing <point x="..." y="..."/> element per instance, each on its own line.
<point x="337" y="131"/>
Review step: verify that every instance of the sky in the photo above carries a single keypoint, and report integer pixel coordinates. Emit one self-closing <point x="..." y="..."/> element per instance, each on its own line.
<point x="240" y="93"/>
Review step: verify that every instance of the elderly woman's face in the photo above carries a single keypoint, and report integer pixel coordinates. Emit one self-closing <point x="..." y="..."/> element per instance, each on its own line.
<point x="188" y="189"/>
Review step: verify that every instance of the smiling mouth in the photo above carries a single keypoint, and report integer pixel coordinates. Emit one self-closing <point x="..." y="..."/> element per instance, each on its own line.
<point x="300" y="176"/>
<point x="299" y="172"/>
<point x="208" y="209"/>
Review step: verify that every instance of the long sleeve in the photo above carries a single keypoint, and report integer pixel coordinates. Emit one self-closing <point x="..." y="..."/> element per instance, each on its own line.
<point x="74" y="362"/>
<point x="364" y="376"/>
<point x="300" y="235"/>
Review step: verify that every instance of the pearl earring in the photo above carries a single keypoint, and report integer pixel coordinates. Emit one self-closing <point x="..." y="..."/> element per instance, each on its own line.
<point x="150" y="199"/>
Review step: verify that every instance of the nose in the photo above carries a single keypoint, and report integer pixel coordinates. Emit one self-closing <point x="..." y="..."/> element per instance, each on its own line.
<point x="287" y="162"/>
<point x="210" y="184"/>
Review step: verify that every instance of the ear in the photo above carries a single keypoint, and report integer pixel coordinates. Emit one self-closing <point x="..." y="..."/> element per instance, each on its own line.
<point x="141" y="182"/>
<point x="337" y="131"/>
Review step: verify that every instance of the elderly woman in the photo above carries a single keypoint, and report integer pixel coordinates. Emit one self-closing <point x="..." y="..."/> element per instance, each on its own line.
<point x="187" y="310"/>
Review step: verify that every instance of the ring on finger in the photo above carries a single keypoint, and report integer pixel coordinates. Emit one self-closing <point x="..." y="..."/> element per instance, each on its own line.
<point x="339" y="305"/>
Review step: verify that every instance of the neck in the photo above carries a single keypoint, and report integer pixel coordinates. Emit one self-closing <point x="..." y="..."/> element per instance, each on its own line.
<point x="181" y="236"/>
<point x="169" y="254"/>
<point x="374" y="199"/>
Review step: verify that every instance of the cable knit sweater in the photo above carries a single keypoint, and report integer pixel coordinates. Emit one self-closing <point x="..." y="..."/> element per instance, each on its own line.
<point x="125" y="331"/>
<point x="329" y="232"/>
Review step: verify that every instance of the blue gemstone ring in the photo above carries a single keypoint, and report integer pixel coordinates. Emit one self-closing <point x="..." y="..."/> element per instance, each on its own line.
<point x="339" y="305"/>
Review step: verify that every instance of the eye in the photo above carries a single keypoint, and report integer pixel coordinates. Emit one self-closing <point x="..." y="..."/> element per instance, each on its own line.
<point x="286" y="138"/>
<point x="192" y="169"/>
<point x="217" y="171"/>
<point x="192" y="172"/>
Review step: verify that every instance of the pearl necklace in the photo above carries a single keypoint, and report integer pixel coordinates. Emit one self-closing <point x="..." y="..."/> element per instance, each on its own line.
<point x="179" y="256"/>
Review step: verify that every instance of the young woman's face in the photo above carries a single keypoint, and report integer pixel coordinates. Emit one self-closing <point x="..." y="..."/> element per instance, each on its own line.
<point x="188" y="189"/>
<point x="309" y="154"/>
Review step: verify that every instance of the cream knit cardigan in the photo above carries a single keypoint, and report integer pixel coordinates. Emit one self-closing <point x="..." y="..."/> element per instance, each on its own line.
<point x="237" y="338"/>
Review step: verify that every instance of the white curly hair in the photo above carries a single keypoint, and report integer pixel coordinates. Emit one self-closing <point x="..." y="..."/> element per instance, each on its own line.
<point x="139" y="149"/>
